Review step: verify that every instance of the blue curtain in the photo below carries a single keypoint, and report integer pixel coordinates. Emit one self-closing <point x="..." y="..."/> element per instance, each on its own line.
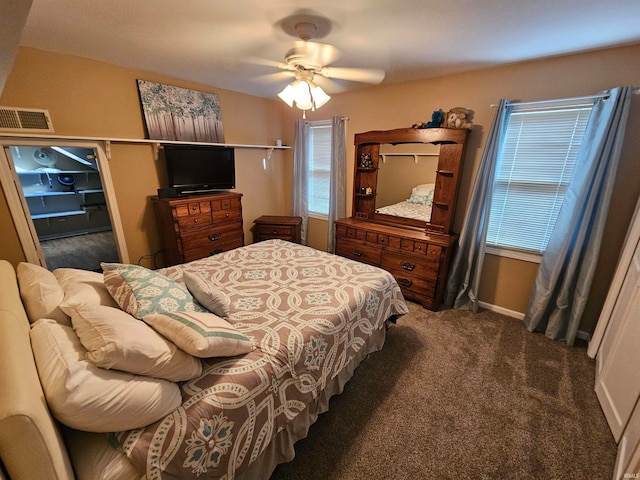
<point x="564" y="278"/>
<point x="337" y="194"/>
<point x="299" y="192"/>
<point x="464" y="275"/>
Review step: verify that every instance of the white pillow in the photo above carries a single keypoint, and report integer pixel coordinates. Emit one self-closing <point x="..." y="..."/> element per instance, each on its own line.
<point x="86" y="397"/>
<point x="202" y="334"/>
<point x="423" y="189"/>
<point x="116" y="340"/>
<point x="207" y="294"/>
<point x="83" y="286"/>
<point x="41" y="293"/>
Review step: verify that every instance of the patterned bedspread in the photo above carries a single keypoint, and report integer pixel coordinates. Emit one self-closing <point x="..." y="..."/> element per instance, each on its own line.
<point x="407" y="209"/>
<point x="309" y="312"/>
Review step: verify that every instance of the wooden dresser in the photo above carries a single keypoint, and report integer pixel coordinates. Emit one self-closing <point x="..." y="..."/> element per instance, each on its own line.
<point x="418" y="261"/>
<point x="416" y="252"/>
<point x="198" y="226"/>
<point x="275" y="226"/>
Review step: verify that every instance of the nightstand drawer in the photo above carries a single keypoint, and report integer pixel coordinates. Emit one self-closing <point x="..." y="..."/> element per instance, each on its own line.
<point x="274" y="231"/>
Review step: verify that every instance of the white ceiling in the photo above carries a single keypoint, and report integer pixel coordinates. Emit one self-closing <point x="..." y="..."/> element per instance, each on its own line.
<point x="235" y="44"/>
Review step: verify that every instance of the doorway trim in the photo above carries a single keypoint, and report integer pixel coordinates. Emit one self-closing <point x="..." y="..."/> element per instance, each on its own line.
<point x="18" y="206"/>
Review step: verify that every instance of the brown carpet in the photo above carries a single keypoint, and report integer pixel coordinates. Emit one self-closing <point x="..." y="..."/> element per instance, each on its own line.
<point x="460" y="396"/>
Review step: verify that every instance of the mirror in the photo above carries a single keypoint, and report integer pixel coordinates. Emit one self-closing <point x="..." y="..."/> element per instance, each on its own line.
<point x="401" y="169"/>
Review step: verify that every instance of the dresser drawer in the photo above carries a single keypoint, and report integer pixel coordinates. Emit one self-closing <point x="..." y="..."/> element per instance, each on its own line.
<point x="227" y="215"/>
<point x="362" y="252"/>
<point x="225" y="204"/>
<point x="194" y="221"/>
<point x="412" y="285"/>
<point x="196" y="253"/>
<point x="192" y="208"/>
<point x="414" y="265"/>
<point x="208" y="237"/>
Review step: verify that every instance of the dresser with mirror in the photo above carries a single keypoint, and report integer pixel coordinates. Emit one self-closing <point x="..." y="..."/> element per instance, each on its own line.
<point x="405" y="190"/>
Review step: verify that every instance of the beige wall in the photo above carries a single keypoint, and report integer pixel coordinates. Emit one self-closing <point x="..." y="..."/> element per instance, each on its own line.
<point x="93" y="99"/>
<point x="507" y="282"/>
<point x="88" y="98"/>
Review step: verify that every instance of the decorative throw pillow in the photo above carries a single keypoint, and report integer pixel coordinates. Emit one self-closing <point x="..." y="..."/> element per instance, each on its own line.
<point x="140" y="291"/>
<point x="116" y="340"/>
<point x="83" y="286"/>
<point x="41" y="293"/>
<point x="202" y="334"/>
<point x="207" y="294"/>
<point x="86" y="397"/>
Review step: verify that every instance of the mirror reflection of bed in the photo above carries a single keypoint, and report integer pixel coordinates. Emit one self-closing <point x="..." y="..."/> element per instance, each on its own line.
<point x="406" y="178"/>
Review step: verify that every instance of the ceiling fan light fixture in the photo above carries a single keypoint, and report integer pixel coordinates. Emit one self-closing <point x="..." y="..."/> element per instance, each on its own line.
<point x="305" y="94"/>
<point x="319" y="96"/>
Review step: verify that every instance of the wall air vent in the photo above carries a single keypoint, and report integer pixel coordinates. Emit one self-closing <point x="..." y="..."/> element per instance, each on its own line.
<point x="25" y="120"/>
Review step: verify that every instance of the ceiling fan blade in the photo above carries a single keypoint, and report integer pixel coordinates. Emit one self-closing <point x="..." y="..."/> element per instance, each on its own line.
<point x="317" y="54"/>
<point x="365" y="75"/>
<point x="328" y="84"/>
<point x="278" y="77"/>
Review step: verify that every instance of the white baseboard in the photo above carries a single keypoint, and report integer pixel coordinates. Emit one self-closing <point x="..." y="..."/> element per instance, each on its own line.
<point x="520" y="316"/>
<point x="502" y="310"/>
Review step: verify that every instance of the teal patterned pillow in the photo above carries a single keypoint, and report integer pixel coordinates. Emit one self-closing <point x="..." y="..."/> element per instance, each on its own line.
<point x="140" y="291"/>
<point x="421" y="199"/>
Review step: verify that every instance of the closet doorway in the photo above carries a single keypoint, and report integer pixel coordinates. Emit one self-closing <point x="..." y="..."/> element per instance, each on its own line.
<point x="63" y="204"/>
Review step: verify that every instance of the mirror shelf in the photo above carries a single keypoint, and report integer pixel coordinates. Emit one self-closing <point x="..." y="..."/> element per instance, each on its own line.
<point x="395" y="170"/>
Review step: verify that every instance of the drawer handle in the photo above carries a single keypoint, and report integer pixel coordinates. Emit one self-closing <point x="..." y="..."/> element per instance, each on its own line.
<point x="275" y="232"/>
<point x="195" y="220"/>
<point x="214" y="236"/>
<point x="227" y="215"/>
<point x="407" y="266"/>
<point x="217" y="250"/>
<point x="358" y="253"/>
<point x="405" y="282"/>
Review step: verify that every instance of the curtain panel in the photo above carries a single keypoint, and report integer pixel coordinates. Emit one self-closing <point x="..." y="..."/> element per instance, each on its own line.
<point x="565" y="275"/>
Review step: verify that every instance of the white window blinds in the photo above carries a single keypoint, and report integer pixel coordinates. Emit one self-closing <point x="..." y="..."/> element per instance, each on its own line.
<point x="319" y="167"/>
<point x="533" y="172"/>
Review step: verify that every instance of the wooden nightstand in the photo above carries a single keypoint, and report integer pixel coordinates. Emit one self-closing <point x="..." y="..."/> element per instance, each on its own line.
<point x="273" y="226"/>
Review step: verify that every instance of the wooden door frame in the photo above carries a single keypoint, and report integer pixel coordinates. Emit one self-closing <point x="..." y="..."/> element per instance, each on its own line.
<point x="18" y="206"/>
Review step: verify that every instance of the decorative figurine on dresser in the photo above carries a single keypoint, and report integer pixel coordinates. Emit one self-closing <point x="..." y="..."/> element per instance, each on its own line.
<point x="404" y="196"/>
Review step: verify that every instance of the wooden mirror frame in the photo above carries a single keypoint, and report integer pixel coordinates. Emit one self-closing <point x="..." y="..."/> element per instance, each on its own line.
<point x="452" y="143"/>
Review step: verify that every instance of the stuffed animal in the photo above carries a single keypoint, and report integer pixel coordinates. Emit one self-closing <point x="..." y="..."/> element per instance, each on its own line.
<point x="457" y="118"/>
<point x="436" y="120"/>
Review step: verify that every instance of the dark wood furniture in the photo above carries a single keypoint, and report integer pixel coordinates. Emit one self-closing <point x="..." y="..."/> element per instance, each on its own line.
<point x="274" y="226"/>
<point x="198" y="226"/>
<point x="417" y="253"/>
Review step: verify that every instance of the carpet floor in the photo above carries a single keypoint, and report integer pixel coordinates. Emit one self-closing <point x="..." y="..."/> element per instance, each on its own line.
<point x="460" y="396"/>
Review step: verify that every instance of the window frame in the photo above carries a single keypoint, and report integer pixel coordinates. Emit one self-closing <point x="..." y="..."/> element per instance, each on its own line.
<point x="523" y="253"/>
<point x="310" y="148"/>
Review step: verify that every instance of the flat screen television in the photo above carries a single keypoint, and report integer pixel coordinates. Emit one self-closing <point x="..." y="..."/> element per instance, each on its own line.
<point x="200" y="168"/>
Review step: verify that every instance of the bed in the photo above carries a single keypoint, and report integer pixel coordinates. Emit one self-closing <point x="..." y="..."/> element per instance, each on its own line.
<point x="417" y="206"/>
<point x="304" y="320"/>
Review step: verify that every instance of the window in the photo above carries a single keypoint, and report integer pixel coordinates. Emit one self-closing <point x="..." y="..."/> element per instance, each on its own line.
<point x="534" y="169"/>
<point x="319" y="167"/>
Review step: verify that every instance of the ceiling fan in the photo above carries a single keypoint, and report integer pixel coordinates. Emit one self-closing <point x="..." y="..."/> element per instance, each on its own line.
<point x="309" y="62"/>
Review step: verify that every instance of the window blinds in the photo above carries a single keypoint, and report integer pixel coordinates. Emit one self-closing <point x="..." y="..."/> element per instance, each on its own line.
<point x="536" y="163"/>
<point x="319" y="167"/>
